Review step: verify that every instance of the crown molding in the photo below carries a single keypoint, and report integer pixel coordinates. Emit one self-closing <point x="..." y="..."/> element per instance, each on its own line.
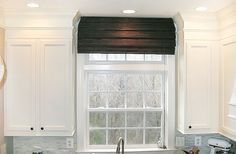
<point x="1" y="18"/>
<point x="38" y="18"/>
<point x="34" y="18"/>
<point x="189" y="21"/>
<point x="34" y="12"/>
<point x="227" y="11"/>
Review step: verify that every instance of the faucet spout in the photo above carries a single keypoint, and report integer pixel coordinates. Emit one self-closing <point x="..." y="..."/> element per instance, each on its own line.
<point x="120" y="142"/>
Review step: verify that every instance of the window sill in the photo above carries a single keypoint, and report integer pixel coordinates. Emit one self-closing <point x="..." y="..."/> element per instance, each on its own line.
<point x="130" y="151"/>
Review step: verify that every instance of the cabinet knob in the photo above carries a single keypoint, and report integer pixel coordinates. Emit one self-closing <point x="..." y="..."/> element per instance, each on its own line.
<point x="31" y="128"/>
<point x="189" y="127"/>
<point x="42" y="128"/>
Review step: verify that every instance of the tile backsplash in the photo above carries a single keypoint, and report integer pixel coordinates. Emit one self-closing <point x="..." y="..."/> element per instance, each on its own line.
<point x="49" y="145"/>
<point x="57" y="145"/>
<point x="204" y="149"/>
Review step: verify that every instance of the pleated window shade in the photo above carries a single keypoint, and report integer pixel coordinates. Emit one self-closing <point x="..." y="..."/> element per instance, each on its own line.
<point x="118" y="35"/>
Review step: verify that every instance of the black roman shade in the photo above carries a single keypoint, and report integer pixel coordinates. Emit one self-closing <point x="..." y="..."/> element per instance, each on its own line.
<point x="115" y="35"/>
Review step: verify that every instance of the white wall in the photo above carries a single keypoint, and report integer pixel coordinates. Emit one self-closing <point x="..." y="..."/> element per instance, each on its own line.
<point x="1" y="87"/>
<point x="1" y="93"/>
<point x="227" y="22"/>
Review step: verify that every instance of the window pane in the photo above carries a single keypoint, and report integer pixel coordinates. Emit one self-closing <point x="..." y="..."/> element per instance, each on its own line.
<point x="97" y="57"/>
<point x="153" y="58"/>
<point x="114" y="135"/>
<point x="153" y="82"/>
<point x="116" y="57"/>
<point x="134" y="100"/>
<point x="97" y="119"/>
<point x="135" y="57"/>
<point x="97" y="82"/>
<point x="152" y="99"/>
<point x="153" y="119"/>
<point x="97" y="100"/>
<point x="116" y="100"/>
<point x="116" y="119"/>
<point x="135" y="136"/>
<point x="116" y="82"/>
<point x="97" y="137"/>
<point x="113" y="94"/>
<point x="152" y="136"/>
<point x="135" y="119"/>
<point x="134" y="82"/>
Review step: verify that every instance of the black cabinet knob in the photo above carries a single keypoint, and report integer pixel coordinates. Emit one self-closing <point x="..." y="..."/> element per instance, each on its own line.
<point x="42" y="128"/>
<point x="31" y="128"/>
<point x="189" y="127"/>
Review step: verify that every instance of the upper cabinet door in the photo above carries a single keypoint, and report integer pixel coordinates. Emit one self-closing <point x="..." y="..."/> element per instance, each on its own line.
<point x="199" y="74"/>
<point x="55" y="86"/>
<point x="20" y="87"/>
<point x="228" y="91"/>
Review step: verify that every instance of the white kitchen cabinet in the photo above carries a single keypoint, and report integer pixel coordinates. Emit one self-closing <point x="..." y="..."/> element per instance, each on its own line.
<point x="39" y="88"/>
<point x="56" y="85"/>
<point x="198" y="80"/>
<point x="20" y="96"/>
<point x="228" y="88"/>
<point x="228" y="72"/>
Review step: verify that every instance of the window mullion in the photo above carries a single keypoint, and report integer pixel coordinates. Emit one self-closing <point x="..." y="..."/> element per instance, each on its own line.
<point x="106" y="128"/>
<point x="144" y="115"/>
<point x="144" y="127"/>
<point x="126" y="135"/>
<point x="107" y="94"/>
<point x="125" y="128"/>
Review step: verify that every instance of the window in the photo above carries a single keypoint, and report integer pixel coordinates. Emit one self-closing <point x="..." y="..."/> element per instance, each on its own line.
<point x="125" y="57"/>
<point x="124" y="95"/>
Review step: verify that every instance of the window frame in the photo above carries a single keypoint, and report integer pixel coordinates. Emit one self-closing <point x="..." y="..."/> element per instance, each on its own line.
<point x="144" y="110"/>
<point x="169" y="127"/>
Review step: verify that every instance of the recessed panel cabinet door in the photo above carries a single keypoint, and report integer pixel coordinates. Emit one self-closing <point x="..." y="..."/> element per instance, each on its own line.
<point x="229" y="91"/>
<point x="198" y="86"/>
<point x="55" y="87"/>
<point x="20" y="87"/>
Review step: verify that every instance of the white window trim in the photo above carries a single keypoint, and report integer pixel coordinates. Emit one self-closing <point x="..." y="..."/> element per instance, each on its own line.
<point x="81" y="107"/>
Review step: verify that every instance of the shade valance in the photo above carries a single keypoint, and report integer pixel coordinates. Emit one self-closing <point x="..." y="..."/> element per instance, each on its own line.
<point x="126" y="35"/>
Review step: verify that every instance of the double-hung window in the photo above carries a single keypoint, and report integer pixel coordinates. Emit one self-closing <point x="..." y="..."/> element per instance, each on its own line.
<point x="123" y="95"/>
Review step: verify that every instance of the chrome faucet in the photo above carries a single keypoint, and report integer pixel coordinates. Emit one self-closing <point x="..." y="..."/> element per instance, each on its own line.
<point x="120" y="141"/>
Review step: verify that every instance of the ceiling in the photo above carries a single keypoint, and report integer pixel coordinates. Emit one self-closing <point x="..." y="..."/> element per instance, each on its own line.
<point x="114" y="7"/>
